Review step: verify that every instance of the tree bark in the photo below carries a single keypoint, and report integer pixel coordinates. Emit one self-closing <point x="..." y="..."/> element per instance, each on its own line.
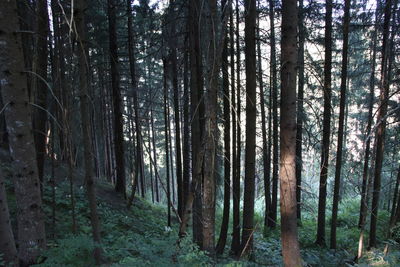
<point x="117" y="103"/>
<point x="381" y="128"/>
<point x="40" y="112"/>
<point x="336" y="193"/>
<point x="251" y="113"/>
<point x="287" y="174"/>
<point x="326" y="126"/>
<point x="235" y="245"/>
<point x="30" y="218"/>
<point x="275" y="140"/>
<point x="84" y="74"/>
<point x="227" y="148"/>
<point x="300" y="110"/>
<point x="7" y="243"/>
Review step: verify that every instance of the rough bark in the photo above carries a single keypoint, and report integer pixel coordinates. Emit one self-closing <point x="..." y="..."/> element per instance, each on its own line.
<point x="7" y="244"/>
<point x="40" y="113"/>
<point x="235" y="245"/>
<point x="251" y="113"/>
<point x="287" y="174"/>
<point x="84" y="74"/>
<point x="275" y="124"/>
<point x="327" y="91"/>
<point x="117" y="101"/>
<point x="30" y="219"/>
<point x="381" y="128"/>
<point x="343" y="78"/>
<point x="300" y="110"/>
<point x="227" y="148"/>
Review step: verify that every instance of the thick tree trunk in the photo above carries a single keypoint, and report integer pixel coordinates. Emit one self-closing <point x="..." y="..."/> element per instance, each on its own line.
<point x="381" y="128"/>
<point x="7" y="243"/>
<point x="335" y="205"/>
<point x="287" y="174"/>
<point x="30" y="219"/>
<point x="40" y="113"/>
<point x="251" y="113"/>
<point x="326" y="126"/>
<point x="84" y="74"/>
<point x="117" y="102"/>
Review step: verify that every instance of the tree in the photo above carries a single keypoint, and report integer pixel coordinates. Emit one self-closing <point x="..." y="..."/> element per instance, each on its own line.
<point x="40" y="113"/>
<point x="235" y="244"/>
<point x="343" y="81"/>
<point x="381" y="127"/>
<point x="7" y="243"/>
<point x="251" y="112"/>
<point x="300" y="109"/>
<point x="327" y="91"/>
<point x="287" y="173"/>
<point x="227" y="147"/>
<point x="116" y="96"/>
<point x="84" y="70"/>
<point x="275" y="141"/>
<point x="31" y="230"/>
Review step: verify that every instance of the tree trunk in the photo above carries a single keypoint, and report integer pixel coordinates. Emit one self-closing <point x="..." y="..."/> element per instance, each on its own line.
<point x="326" y="126"/>
<point x="287" y="174"/>
<point x="365" y="178"/>
<point x="275" y="140"/>
<point x="300" y="110"/>
<point x="381" y="120"/>
<point x="84" y="74"/>
<point x="117" y="102"/>
<point x="166" y="122"/>
<point x="227" y="148"/>
<point x="251" y="113"/>
<point x="40" y="113"/>
<point x="335" y="205"/>
<point x="235" y="245"/>
<point x="7" y="244"/>
<point x="30" y="217"/>
<point x="266" y="162"/>
<point x="178" y="160"/>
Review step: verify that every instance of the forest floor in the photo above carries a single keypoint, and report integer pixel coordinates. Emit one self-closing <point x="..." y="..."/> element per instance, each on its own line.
<point x="140" y="237"/>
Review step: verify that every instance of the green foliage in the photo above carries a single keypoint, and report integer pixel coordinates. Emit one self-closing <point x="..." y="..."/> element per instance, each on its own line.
<point x="71" y="251"/>
<point x="2" y="262"/>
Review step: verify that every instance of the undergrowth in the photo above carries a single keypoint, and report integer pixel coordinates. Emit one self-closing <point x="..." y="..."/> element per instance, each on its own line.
<point x="140" y="237"/>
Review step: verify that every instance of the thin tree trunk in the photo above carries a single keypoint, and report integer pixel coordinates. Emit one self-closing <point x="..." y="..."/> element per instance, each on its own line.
<point x="287" y="174"/>
<point x="381" y="120"/>
<point x="365" y="180"/>
<point x="300" y="110"/>
<point x="154" y="153"/>
<point x="336" y="193"/>
<point x="178" y="151"/>
<point x="117" y="101"/>
<point x="84" y="74"/>
<point x="326" y="126"/>
<point x="275" y="140"/>
<point x="227" y="148"/>
<point x="186" y="126"/>
<point x="235" y="245"/>
<point x="266" y="162"/>
<point x="40" y="113"/>
<point x="166" y="122"/>
<point x="30" y="217"/>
